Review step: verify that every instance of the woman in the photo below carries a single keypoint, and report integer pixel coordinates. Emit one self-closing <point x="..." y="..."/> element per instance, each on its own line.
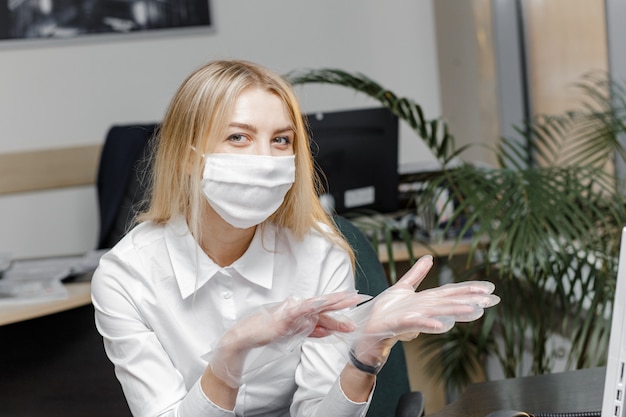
<point x="233" y="293"/>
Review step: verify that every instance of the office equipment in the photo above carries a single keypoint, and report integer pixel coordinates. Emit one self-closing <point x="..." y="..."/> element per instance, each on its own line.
<point x="508" y="413"/>
<point x="5" y="262"/>
<point x="78" y="295"/>
<point x="59" y="267"/>
<point x="615" y="379"/>
<point x="28" y="290"/>
<point x="41" y="279"/>
<point x="557" y="394"/>
<point x="357" y="152"/>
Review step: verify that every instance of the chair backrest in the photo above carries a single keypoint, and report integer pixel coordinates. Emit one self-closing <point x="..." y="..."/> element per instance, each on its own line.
<point x="124" y="163"/>
<point x="393" y="380"/>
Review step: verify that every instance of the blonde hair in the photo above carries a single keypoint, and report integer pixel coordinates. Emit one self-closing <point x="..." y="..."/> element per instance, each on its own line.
<point x="197" y="116"/>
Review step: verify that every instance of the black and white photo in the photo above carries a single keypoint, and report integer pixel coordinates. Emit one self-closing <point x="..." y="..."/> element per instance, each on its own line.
<point x="40" y="19"/>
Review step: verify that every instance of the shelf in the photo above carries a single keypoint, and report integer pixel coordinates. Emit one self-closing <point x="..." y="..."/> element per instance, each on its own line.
<point x="437" y="249"/>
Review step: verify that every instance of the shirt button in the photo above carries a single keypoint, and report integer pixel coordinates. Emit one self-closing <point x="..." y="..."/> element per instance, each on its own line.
<point x="227" y="294"/>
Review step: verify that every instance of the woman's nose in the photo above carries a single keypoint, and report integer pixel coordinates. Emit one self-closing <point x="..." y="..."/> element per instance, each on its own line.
<point x="263" y="148"/>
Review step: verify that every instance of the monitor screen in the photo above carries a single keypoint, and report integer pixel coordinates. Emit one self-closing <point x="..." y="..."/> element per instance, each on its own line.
<point x="357" y="153"/>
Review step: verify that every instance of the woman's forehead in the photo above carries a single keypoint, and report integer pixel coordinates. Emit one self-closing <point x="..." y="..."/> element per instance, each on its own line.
<point x="256" y="106"/>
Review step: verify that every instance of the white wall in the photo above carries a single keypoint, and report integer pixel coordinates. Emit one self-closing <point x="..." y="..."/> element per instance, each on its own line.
<point x="57" y="93"/>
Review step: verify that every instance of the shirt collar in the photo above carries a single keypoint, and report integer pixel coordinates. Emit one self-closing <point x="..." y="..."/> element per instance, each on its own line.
<point x="193" y="268"/>
<point x="257" y="263"/>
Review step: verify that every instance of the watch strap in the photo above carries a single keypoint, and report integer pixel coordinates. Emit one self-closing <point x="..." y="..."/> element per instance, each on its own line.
<point x="370" y="369"/>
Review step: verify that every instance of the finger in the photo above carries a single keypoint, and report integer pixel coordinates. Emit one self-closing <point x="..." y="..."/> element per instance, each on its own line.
<point x="327" y="324"/>
<point x="461" y="288"/>
<point x="481" y="300"/>
<point x="418" y="323"/>
<point x="462" y="309"/>
<point x="453" y="312"/>
<point x="417" y="273"/>
<point x="319" y="332"/>
<point x="407" y="337"/>
<point x="414" y="323"/>
<point x="335" y="301"/>
<point x="293" y="313"/>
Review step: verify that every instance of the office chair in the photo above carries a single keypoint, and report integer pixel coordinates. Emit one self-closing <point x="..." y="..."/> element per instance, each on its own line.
<point x="121" y="186"/>
<point x="125" y="159"/>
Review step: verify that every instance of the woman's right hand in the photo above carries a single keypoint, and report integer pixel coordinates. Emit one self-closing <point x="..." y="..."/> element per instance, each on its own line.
<point x="286" y="324"/>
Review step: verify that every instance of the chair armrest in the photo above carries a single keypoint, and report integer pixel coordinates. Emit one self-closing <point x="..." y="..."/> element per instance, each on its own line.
<point x="410" y="404"/>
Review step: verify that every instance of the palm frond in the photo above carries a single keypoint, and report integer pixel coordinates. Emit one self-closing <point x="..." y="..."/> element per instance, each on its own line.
<point x="434" y="132"/>
<point x="544" y="226"/>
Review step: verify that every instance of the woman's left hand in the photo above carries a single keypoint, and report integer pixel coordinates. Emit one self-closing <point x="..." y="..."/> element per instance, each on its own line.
<point x="400" y="313"/>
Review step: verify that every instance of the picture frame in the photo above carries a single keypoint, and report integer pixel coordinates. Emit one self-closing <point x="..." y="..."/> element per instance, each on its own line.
<point x="29" y="20"/>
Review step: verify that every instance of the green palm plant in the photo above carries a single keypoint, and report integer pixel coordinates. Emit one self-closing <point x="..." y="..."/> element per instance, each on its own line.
<point x="544" y="223"/>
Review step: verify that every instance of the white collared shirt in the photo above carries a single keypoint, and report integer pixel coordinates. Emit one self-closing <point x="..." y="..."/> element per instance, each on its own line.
<point x="161" y="304"/>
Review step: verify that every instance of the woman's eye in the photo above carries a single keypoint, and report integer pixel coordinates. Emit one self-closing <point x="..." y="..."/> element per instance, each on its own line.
<point x="237" y="138"/>
<point x="282" y="140"/>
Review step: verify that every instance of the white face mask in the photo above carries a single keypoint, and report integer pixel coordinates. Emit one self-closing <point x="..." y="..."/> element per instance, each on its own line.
<point x="247" y="189"/>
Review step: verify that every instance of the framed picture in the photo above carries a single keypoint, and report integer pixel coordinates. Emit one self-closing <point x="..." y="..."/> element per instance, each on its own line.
<point x="46" y="19"/>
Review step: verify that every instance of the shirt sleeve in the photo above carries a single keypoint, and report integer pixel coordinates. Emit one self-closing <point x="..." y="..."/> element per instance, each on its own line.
<point x="319" y="392"/>
<point x="197" y="404"/>
<point x="151" y="384"/>
<point x="321" y="364"/>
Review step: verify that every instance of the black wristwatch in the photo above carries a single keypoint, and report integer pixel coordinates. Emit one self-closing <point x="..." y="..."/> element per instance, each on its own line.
<point x="370" y="369"/>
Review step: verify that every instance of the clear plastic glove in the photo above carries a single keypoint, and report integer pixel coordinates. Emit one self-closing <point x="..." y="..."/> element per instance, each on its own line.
<point x="400" y="313"/>
<point x="266" y="334"/>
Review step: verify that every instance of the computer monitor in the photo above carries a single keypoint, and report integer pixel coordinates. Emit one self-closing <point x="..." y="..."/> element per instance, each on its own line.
<point x="357" y="153"/>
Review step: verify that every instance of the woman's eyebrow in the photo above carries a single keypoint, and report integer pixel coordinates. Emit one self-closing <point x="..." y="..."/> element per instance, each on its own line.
<point x="287" y="129"/>
<point x="244" y="126"/>
<point x="253" y="129"/>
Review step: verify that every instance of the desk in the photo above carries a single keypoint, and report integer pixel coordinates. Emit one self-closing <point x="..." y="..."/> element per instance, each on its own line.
<point x="52" y="360"/>
<point x="78" y="295"/>
<point x="562" y="392"/>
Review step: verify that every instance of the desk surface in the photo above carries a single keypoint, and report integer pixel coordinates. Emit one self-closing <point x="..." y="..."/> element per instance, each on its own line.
<point x="571" y="391"/>
<point x="79" y="294"/>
